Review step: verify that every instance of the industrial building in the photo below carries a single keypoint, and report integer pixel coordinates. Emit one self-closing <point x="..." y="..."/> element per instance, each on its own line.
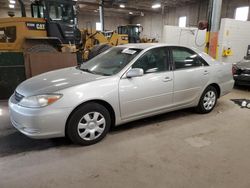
<point x="124" y="93"/>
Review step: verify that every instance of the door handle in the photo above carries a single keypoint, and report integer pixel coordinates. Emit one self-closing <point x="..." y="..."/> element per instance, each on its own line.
<point x="206" y="72"/>
<point x="167" y="79"/>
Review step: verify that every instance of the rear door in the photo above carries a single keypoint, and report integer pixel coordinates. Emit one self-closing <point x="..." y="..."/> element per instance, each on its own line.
<point x="151" y="92"/>
<point x="191" y="74"/>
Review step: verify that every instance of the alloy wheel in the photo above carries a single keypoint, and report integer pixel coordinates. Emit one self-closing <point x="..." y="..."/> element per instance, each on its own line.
<point x="209" y="100"/>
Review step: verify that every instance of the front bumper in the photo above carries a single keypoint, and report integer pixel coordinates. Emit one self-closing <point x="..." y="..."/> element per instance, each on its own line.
<point x="47" y="122"/>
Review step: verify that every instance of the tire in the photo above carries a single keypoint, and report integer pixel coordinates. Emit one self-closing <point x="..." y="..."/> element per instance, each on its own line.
<point x="41" y="48"/>
<point x="83" y="127"/>
<point x="98" y="49"/>
<point x="207" y="101"/>
<point x="79" y="58"/>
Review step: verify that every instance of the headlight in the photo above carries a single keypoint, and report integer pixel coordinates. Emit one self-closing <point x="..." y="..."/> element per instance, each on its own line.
<point x="39" y="100"/>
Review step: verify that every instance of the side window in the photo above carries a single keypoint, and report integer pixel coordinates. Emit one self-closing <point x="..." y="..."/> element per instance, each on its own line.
<point x="155" y="60"/>
<point x="8" y="34"/>
<point x="37" y="11"/>
<point x="41" y="10"/>
<point x="185" y="58"/>
<point x="55" y="13"/>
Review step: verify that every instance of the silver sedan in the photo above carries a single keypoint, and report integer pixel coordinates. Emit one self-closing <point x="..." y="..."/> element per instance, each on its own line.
<point x="123" y="84"/>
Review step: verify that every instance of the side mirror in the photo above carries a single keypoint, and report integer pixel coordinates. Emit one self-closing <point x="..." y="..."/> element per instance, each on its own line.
<point x="136" y="72"/>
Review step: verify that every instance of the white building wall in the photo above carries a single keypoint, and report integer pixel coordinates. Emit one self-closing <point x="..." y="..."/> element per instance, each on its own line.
<point x="188" y="36"/>
<point x="111" y="22"/>
<point x="152" y="25"/>
<point x="235" y="35"/>
<point x="4" y="12"/>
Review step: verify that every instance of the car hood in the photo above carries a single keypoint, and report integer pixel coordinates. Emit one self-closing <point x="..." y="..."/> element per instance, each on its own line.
<point x="244" y="64"/>
<point x="55" y="81"/>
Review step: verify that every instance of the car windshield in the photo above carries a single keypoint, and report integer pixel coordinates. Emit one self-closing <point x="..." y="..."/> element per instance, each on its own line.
<point x="110" y="62"/>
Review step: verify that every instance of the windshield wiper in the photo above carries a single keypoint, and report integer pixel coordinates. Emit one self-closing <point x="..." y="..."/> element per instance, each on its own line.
<point x="87" y="70"/>
<point x="103" y="74"/>
<point x="94" y="72"/>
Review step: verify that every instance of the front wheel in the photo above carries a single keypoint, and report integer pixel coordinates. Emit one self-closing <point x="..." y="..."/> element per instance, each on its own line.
<point x="207" y="101"/>
<point x="88" y="124"/>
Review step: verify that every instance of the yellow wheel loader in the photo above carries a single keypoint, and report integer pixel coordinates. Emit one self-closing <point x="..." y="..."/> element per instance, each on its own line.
<point x="32" y="45"/>
<point x="53" y="23"/>
<point x="48" y="40"/>
<point x="96" y="42"/>
<point x="134" y="33"/>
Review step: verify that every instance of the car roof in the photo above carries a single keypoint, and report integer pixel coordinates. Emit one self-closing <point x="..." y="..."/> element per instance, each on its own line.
<point x="148" y="45"/>
<point x="145" y="46"/>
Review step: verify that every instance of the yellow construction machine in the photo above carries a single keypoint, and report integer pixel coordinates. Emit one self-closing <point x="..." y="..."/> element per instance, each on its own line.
<point x="53" y="24"/>
<point x="52" y="29"/>
<point x="96" y="42"/>
<point x="48" y="40"/>
<point x="134" y="33"/>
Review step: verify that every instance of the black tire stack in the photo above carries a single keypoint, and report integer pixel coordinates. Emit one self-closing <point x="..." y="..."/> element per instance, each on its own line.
<point x="98" y="49"/>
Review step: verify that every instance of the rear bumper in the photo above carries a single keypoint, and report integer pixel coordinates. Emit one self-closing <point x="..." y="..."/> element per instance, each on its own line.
<point x="39" y="123"/>
<point x="226" y="87"/>
<point x="242" y="79"/>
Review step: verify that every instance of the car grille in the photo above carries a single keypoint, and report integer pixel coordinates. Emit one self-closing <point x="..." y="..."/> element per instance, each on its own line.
<point x="18" y="97"/>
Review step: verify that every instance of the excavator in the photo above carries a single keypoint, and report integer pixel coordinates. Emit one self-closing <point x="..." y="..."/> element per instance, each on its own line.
<point x="52" y="28"/>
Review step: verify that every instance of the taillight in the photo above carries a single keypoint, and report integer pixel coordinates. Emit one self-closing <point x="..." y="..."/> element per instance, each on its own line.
<point x="234" y="69"/>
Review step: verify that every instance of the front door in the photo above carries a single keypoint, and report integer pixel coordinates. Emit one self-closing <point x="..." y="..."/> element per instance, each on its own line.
<point x="151" y="92"/>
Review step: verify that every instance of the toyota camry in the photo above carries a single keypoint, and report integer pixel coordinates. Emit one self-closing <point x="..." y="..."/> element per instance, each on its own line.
<point x="121" y="85"/>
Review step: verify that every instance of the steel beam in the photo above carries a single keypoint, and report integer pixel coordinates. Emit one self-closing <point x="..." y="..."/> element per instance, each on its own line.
<point x="214" y="27"/>
<point x="101" y="11"/>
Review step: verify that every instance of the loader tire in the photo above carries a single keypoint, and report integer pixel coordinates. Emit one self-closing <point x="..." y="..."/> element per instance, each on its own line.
<point x="42" y="48"/>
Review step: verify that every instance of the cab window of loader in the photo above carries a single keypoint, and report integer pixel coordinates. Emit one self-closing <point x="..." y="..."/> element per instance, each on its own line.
<point x="61" y="12"/>
<point x="134" y="31"/>
<point x="37" y="11"/>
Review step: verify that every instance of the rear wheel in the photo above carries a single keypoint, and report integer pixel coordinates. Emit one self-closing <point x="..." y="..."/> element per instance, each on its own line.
<point x="207" y="101"/>
<point x="88" y="124"/>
